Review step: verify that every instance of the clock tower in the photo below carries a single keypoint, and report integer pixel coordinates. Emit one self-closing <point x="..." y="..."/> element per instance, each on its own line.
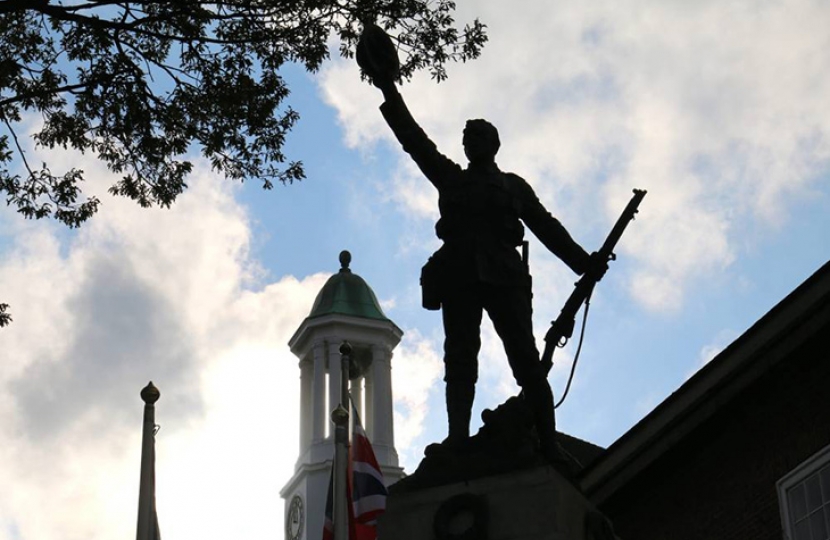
<point x="346" y="309"/>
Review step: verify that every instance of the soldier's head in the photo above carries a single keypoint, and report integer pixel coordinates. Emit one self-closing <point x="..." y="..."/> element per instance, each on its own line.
<point x="481" y="141"/>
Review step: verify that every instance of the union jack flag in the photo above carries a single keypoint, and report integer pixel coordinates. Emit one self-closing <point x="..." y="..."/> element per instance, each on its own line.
<point x="366" y="489"/>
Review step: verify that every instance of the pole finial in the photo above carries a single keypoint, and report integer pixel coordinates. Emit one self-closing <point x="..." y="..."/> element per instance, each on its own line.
<point x="340" y="416"/>
<point x="150" y="394"/>
<point x="345" y="260"/>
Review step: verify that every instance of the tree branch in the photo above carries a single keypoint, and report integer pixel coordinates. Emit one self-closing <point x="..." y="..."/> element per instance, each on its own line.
<point x="59" y="90"/>
<point x="19" y="148"/>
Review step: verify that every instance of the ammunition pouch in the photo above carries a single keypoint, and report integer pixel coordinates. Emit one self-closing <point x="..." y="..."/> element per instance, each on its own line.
<point x="432" y="280"/>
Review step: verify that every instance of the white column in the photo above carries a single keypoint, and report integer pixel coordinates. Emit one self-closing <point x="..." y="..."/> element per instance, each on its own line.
<point x="369" y="405"/>
<point x="334" y="378"/>
<point x="318" y="394"/>
<point x="384" y="436"/>
<point x="306" y="404"/>
<point x="357" y="396"/>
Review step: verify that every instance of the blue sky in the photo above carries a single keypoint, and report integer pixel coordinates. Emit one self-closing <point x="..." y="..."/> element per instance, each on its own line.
<point x="721" y="112"/>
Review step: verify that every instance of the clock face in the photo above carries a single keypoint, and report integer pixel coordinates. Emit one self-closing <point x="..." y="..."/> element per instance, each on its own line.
<point x="295" y="519"/>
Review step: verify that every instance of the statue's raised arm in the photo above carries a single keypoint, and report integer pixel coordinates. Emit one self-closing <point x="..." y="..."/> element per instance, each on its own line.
<point x="377" y="57"/>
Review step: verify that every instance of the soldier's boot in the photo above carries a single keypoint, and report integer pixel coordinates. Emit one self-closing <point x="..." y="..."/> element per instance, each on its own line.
<point x="540" y="399"/>
<point x="459" y="398"/>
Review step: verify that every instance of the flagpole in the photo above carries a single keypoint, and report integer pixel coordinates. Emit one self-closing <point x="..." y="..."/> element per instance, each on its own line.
<point x="148" y="528"/>
<point x="340" y="417"/>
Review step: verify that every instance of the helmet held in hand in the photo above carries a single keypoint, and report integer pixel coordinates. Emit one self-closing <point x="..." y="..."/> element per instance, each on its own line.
<point x="376" y="54"/>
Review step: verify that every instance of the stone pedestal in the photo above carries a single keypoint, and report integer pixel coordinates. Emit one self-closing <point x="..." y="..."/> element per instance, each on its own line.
<point x="531" y="504"/>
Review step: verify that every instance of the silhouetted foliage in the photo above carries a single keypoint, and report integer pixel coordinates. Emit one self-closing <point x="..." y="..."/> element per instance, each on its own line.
<point x="5" y="317"/>
<point x="139" y="83"/>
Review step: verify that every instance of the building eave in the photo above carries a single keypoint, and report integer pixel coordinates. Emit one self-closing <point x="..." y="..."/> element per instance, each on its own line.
<point x="341" y="325"/>
<point x="769" y="341"/>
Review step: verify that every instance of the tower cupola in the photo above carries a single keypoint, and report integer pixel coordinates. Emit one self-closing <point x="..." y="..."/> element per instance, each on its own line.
<point x="346" y="309"/>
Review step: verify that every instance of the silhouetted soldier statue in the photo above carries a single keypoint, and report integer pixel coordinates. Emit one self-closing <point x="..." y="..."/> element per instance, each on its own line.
<point x="478" y="267"/>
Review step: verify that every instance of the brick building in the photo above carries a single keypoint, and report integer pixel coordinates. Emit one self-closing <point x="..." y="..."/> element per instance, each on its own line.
<point x="742" y="449"/>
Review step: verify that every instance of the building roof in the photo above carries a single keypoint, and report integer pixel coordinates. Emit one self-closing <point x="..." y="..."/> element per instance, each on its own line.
<point x="769" y="341"/>
<point x="346" y="293"/>
<point x="584" y="453"/>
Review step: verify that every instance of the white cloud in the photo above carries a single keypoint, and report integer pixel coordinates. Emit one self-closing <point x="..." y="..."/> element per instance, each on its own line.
<point x="709" y="351"/>
<point x="142" y="294"/>
<point x="416" y="370"/>
<point x="725" y="129"/>
<point x="413" y="194"/>
<point x="496" y="382"/>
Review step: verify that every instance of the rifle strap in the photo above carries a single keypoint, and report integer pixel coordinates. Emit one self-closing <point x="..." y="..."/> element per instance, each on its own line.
<point x="578" y="351"/>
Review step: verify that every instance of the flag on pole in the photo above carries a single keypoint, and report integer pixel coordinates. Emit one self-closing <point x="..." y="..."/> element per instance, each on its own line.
<point x="366" y="489"/>
<point x="328" y="520"/>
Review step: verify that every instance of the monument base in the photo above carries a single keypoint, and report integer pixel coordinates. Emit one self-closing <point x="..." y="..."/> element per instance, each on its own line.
<point x="530" y="504"/>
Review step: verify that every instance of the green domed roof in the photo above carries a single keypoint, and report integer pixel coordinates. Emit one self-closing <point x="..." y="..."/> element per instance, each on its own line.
<point x="346" y="293"/>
